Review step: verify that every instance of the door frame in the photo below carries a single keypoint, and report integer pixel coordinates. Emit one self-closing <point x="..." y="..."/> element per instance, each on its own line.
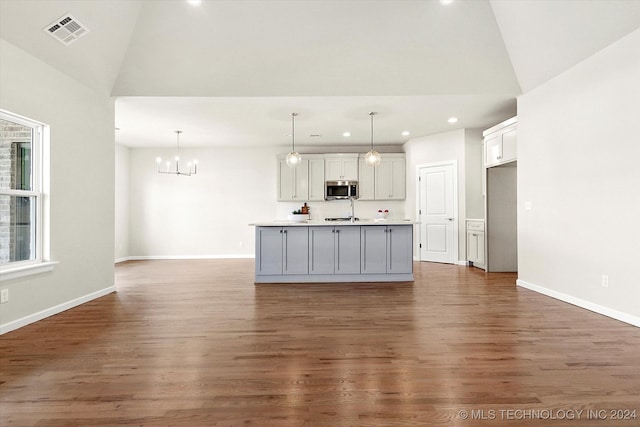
<point x="456" y="231"/>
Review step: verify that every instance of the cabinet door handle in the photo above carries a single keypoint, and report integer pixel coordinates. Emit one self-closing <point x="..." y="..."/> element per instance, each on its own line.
<point x="449" y="219"/>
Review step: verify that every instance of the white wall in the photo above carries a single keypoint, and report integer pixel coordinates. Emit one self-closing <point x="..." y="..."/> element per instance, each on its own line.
<point x="208" y="215"/>
<point x="474" y="200"/>
<point x="578" y="154"/>
<point x="122" y="203"/>
<point x="205" y="215"/>
<point x="82" y="186"/>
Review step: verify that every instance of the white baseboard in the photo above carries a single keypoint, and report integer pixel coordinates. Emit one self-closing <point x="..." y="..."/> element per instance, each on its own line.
<point x="32" y="318"/>
<point x="597" y="308"/>
<point x="169" y="257"/>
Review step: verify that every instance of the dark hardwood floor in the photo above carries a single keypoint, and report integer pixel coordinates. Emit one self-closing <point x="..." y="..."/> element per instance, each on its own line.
<point x="196" y="343"/>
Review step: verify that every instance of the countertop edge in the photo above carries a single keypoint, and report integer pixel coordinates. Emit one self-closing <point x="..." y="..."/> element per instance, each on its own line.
<point x="285" y="223"/>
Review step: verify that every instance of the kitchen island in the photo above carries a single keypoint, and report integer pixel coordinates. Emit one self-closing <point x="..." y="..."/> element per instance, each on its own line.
<point x="336" y="251"/>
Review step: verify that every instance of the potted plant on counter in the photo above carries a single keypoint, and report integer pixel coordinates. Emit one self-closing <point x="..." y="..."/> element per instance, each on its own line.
<point x="300" y="215"/>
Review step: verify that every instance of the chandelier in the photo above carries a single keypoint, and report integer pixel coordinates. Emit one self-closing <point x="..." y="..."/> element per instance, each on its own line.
<point x="372" y="158"/>
<point x="192" y="167"/>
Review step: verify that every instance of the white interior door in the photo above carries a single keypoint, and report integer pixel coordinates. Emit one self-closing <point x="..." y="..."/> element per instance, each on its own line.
<point x="437" y="213"/>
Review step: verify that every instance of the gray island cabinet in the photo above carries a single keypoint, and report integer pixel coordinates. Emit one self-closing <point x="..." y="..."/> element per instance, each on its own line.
<point x="365" y="251"/>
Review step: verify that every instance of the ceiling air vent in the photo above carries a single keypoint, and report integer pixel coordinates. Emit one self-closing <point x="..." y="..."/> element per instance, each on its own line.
<point x="67" y="29"/>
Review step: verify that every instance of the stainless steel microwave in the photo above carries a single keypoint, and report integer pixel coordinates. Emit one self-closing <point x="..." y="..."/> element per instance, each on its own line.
<point x="338" y="190"/>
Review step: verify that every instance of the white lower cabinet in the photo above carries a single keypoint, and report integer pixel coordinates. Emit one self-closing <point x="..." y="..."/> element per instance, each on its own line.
<point x="475" y="243"/>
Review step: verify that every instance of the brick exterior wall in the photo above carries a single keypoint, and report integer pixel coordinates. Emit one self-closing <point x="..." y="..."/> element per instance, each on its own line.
<point x="10" y="135"/>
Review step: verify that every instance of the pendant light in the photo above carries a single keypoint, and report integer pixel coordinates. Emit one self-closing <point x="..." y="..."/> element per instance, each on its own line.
<point x="372" y="158"/>
<point x="192" y="166"/>
<point x="293" y="158"/>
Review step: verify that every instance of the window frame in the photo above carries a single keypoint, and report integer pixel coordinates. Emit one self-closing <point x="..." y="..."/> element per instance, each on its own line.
<point x="39" y="192"/>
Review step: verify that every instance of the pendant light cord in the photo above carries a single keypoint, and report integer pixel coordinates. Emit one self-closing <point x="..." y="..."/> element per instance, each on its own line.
<point x="293" y="131"/>
<point x="371" y="114"/>
<point x="178" y="132"/>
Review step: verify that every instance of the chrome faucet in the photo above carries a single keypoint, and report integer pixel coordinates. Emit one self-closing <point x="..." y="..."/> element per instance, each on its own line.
<point x="352" y="217"/>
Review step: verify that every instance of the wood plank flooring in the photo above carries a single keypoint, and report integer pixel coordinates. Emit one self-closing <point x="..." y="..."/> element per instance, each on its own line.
<point x="196" y="343"/>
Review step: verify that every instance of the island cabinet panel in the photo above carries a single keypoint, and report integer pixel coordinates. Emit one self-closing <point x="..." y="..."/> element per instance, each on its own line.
<point x="347" y="250"/>
<point x="334" y="253"/>
<point x="334" y="250"/>
<point x="387" y="249"/>
<point x="295" y="250"/>
<point x="373" y="249"/>
<point x="321" y="252"/>
<point x="282" y="250"/>
<point x="269" y="250"/>
<point x="400" y="249"/>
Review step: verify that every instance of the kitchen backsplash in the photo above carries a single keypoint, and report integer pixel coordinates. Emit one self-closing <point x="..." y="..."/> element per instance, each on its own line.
<point x="341" y="208"/>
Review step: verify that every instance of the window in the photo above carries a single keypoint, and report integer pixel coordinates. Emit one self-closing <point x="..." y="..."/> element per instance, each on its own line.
<point x="22" y="231"/>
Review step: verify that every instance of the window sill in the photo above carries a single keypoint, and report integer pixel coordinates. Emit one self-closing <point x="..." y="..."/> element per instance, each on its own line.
<point x="26" y="270"/>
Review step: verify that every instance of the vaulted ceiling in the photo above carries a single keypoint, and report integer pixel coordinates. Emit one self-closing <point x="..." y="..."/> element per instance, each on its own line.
<point x="230" y="72"/>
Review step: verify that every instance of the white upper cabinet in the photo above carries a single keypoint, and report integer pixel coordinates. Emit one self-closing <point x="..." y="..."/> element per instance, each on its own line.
<point x="390" y="178"/>
<point x="293" y="183"/>
<point x="387" y="181"/>
<point x="304" y="182"/>
<point x="316" y="178"/>
<point x="500" y="143"/>
<point x="366" y="180"/>
<point x="341" y="167"/>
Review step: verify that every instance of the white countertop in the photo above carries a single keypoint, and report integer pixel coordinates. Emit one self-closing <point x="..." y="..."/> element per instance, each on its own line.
<point x="287" y="223"/>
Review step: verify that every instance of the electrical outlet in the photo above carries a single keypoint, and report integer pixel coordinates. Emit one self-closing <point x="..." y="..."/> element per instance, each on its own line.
<point x="605" y="281"/>
<point x="4" y="296"/>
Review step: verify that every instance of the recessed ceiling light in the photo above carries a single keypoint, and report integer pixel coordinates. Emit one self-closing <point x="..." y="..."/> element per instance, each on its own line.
<point x="346" y="134"/>
<point x="453" y="120"/>
<point x="446" y="2"/>
<point x="194" y="2"/>
<point x="406" y="133"/>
